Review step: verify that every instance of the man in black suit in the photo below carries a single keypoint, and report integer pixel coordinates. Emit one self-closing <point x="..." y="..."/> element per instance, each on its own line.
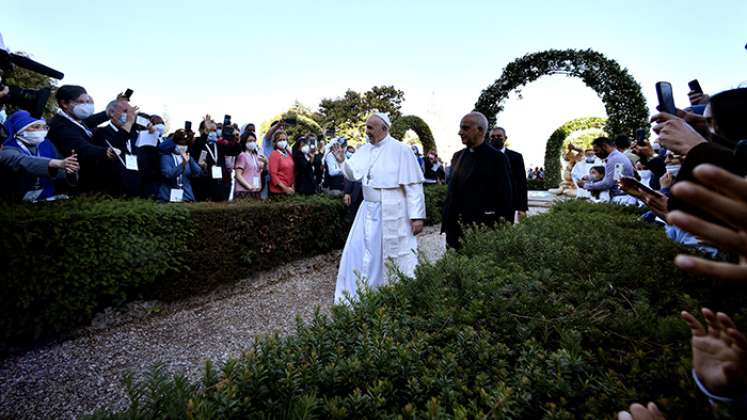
<point x="480" y="184"/>
<point x="113" y="176"/>
<point x="518" y="172"/>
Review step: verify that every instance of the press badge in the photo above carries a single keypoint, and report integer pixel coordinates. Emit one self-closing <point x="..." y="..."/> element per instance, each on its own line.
<point x="32" y="195"/>
<point x="217" y="172"/>
<point x="131" y="162"/>
<point x="177" y="195"/>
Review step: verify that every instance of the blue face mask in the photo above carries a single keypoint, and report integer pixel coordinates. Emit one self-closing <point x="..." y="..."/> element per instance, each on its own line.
<point x="219" y="132"/>
<point x="212" y="137"/>
<point x="123" y="118"/>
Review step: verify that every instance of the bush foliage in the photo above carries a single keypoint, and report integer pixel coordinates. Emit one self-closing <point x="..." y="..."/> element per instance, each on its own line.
<point x="63" y="261"/>
<point x="572" y="314"/>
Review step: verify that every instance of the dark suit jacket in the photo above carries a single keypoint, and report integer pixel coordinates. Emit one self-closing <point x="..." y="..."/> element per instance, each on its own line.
<point x="478" y="194"/>
<point x="112" y="176"/>
<point x="67" y="136"/>
<point x="204" y="186"/>
<point x="518" y="181"/>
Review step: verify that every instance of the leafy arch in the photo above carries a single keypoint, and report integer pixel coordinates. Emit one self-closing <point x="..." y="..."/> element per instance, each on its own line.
<point x="416" y="124"/>
<point x="554" y="146"/>
<point x="623" y="100"/>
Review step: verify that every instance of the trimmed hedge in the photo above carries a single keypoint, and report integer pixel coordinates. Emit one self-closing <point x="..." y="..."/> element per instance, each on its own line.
<point x="536" y="185"/>
<point x="571" y="314"/>
<point x="416" y="124"/>
<point x="63" y="261"/>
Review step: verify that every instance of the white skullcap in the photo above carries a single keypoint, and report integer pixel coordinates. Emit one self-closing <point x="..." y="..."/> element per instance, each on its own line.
<point x="383" y="117"/>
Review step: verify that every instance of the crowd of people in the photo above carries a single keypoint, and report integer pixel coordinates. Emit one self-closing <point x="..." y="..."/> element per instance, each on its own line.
<point x="691" y="178"/>
<point x="122" y="152"/>
<point x="538" y="174"/>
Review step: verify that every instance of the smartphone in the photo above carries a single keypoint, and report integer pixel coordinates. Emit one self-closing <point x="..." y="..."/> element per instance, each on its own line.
<point x="640" y="135"/>
<point x="666" y="98"/>
<point x="631" y="182"/>
<point x="694" y="86"/>
<point x="226" y="120"/>
<point x="128" y="94"/>
<point x="188" y="125"/>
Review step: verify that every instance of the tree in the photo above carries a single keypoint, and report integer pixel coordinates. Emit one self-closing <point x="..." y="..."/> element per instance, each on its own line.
<point x="347" y="114"/>
<point x="302" y="114"/>
<point x="28" y="79"/>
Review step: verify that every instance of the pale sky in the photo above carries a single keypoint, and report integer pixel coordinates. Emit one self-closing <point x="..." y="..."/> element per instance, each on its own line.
<point x="254" y="59"/>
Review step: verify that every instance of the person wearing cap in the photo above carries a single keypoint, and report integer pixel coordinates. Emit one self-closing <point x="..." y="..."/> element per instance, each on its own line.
<point x="30" y="164"/>
<point x="392" y="212"/>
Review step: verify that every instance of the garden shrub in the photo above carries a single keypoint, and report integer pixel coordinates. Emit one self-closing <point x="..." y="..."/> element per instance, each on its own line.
<point x="63" y="261"/>
<point x="571" y="314"/>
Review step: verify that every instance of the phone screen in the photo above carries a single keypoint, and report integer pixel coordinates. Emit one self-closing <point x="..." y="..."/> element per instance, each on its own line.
<point x="694" y="86"/>
<point x="666" y="99"/>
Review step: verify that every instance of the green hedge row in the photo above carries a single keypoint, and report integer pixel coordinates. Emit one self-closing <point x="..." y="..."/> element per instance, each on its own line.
<point x="572" y="314"/>
<point x="62" y="261"/>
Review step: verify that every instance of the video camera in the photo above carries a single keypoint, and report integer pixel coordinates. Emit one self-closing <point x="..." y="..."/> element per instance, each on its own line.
<point x="31" y="100"/>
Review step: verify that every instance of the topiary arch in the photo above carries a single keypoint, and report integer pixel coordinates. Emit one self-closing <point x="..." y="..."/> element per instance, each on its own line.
<point x="625" y="105"/>
<point x="416" y="124"/>
<point x="554" y="146"/>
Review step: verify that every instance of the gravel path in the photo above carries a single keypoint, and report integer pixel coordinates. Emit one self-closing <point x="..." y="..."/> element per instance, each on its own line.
<point x="76" y="377"/>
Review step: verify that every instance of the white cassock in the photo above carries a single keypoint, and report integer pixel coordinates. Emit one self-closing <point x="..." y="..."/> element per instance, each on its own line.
<point x="381" y="232"/>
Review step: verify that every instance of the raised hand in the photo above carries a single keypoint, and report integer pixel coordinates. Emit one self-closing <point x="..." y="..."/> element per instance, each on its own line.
<point x="719" y="354"/>
<point x="639" y="412"/>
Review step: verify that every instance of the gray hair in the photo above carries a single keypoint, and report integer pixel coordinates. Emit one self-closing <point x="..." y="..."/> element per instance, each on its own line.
<point x="111" y="107"/>
<point x="482" y="120"/>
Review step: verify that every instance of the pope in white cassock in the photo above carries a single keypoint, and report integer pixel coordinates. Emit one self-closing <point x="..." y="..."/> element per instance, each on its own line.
<point x="392" y="212"/>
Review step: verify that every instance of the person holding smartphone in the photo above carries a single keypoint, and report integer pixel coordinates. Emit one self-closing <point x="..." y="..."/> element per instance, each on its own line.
<point x="617" y="166"/>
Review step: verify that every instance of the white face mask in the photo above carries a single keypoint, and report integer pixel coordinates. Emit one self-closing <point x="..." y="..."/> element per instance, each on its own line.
<point x="160" y="128"/>
<point x="33" y="138"/>
<point x="646" y="176"/>
<point x="83" y="111"/>
<point x="282" y="144"/>
<point x="251" y="146"/>
<point x="180" y="149"/>
<point x="305" y="150"/>
<point x="674" y="169"/>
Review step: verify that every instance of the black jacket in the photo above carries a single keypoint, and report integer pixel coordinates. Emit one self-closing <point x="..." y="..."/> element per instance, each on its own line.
<point x="67" y="136"/>
<point x="479" y="191"/>
<point x="305" y="184"/>
<point x="518" y="181"/>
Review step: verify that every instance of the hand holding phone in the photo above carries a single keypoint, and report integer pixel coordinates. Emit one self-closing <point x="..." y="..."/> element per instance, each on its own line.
<point x="666" y="98"/>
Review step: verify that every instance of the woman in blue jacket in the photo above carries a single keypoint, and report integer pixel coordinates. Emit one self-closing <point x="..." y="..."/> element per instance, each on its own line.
<point x="30" y="165"/>
<point x="176" y="169"/>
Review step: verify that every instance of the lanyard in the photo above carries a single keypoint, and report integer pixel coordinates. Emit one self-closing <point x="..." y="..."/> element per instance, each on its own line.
<point x="213" y="155"/>
<point x="88" y="132"/>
